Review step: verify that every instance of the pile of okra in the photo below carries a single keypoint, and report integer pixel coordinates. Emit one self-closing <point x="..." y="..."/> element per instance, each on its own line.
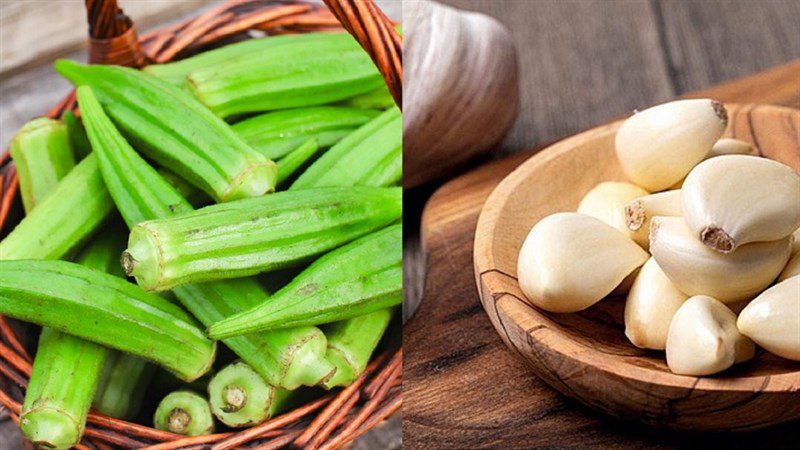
<point x="226" y="227"/>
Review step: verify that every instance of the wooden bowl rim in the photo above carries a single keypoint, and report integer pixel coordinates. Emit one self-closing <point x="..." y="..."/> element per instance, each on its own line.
<point x="483" y="260"/>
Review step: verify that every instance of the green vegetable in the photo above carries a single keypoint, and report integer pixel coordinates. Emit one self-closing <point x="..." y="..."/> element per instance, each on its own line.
<point x="64" y="220"/>
<point x="122" y="384"/>
<point x="249" y="236"/>
<point x="380" y="98"/>
<point x="288" y="358"/>
<point x="184" y="412"/>
<point x="291" y="163"/>
<point x="351" y="343"/>
<point x="277" y="133"/>
<point x="239" y="397"/>
<point x="66" y="371"/>
<point x="175" y="72"/>
<point x="370" y="156"/>
<point x="356" y="279"/>
<point x="77" y="135"/>
<point x="175" y="130"/>
<point x="106" y="310"/>
<point x="42" y="154"/>
<point x="279" y="77"/>
<point x="194" y="196"/>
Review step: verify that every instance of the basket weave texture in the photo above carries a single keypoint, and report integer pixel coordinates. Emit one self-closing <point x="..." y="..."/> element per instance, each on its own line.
<point x="326" y="423"/>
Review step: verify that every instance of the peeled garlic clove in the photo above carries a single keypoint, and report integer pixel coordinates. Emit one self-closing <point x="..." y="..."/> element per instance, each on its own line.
<point x="773" y="319"/>
<point x="730" y="146"/>
<point x="639" y="212"/>
<point x="703" y="338"/>
<point x="570" y="261"/>
<point x="796" y="243"/>
<point x="657" y="147"/>
<point x="792" y="268"/>
<point x="733" y="200"/>
<point x="607" y="201"/>
<point x="696" y="269"/>
<point x="651" y="303"/>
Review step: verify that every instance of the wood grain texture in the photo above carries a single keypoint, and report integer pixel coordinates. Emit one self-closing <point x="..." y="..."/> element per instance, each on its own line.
<point x="464" y="389"/>
<point x="586" y="355"/>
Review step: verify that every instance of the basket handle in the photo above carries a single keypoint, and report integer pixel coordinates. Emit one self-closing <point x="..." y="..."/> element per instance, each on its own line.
<point x="113" y="39"/>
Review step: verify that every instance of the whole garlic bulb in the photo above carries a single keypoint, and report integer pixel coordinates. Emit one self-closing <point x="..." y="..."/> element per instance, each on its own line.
<point x="570" y="261"/>
<point x="461" y="89"/>
<point x="703" y="338"/>
<point x="657" y="147"/>
<point x="773" y="319"/>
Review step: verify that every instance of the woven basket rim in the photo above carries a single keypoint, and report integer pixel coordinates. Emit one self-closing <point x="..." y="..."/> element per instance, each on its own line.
<point x="338" y="417"/>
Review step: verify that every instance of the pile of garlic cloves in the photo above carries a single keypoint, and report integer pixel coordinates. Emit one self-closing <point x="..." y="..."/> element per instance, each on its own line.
<point x="703" y="241"/>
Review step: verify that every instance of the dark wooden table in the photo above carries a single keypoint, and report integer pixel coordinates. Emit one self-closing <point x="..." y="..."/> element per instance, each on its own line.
<point x="582" y="63"/>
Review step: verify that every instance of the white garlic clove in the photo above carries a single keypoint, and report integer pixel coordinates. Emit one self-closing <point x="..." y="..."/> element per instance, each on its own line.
<point x="570" y="261"/>
<point x="657" y="147"/>
<point x="772" y="320"/>
<point x="703" y="338"/>
<point x="651" y="303"/>
<point x="796" y="243"/>
<point x="726" y="146"/>
<point x="639" y="212"/>
<point x="607" y="202"/>
<point x="697" y="270"/>
<point x="792" y="268"/>
<point x="733" y="200"/>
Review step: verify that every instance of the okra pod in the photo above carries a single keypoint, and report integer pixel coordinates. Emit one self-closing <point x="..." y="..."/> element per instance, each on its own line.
<point x="351" y="343"/>
<point x="122" y="384"/>
<point x="63" y="221"/>
<point x="184" y="412"/>
<point x="380" y="98"/>
<point x="43" y="155"/>
<point x="288" y="358"/>
<point x="176" y="131"/>
<point x="255" y="235"/>
<point x="194" y="196"/>
<point x="358" y="278"/>
<point x="106" y="310"/>
<point x="370" y="156"/>
<point x="175" y="72"/>
<point x="77" y="135"/>
<point x="277" y="133"/>
<point x="279" y="77"/>
<point x="66" y="371"/>
<point x="239" y="397"/>
<point x="291" y="163"/>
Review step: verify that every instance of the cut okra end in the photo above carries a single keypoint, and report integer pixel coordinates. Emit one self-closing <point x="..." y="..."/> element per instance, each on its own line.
<point x="258" y="179"/>
<point x="141" y="259"/>
<point x="50" y="428"/>
<point x="184" y="412"/>
<point x="239" y="397"/>
<point x="309" y="366"/>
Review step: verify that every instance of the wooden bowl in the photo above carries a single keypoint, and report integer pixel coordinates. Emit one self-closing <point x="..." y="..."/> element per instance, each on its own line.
<point x="586" y="355"/>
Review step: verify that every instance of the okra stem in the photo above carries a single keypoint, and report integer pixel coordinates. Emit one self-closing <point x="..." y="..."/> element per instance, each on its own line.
<point x="351" y="343"/>
<point x="239" y="397"/>
<point x="43" y="155"/>
<point x="286" y="358"/>
<point x="175" y="130"/>
<point x="184" y="412"/>
<point x="358" y="278"/>
<point x="277" y="133"/>
<point x="291" y="163"/>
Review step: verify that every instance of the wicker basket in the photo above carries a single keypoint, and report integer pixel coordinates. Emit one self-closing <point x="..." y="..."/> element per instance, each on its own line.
<point x="329" y="422"/>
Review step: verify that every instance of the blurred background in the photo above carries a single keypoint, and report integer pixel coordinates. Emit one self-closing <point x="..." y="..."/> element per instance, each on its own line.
<point x="33" y="33"/>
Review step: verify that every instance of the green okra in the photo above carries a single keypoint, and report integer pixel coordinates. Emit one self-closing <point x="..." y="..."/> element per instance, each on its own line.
<point x="122" y="384"/>
<point x="184" y="412"/>
<point x="194" y="196"/>
<point x="380" y="98"/>
<point x="106" y="310"/>
<point x="245" y="237"/>
<point x="239" y="397"/>
<point x="277" y="133"/>
<point x="351" y="343"/>
<point x="77" y="135"/>
<point x="289" y="358"/>
<point x="291" y="163"/>
<point x="42" y="154"/>
<point x="63" y="221"/>
<point x="358" y="278"/>
<point x="370" y="156"/>
<point x="176" y="131"/>
<point x="175" y="72"/>
<point x="279" y="77"/>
